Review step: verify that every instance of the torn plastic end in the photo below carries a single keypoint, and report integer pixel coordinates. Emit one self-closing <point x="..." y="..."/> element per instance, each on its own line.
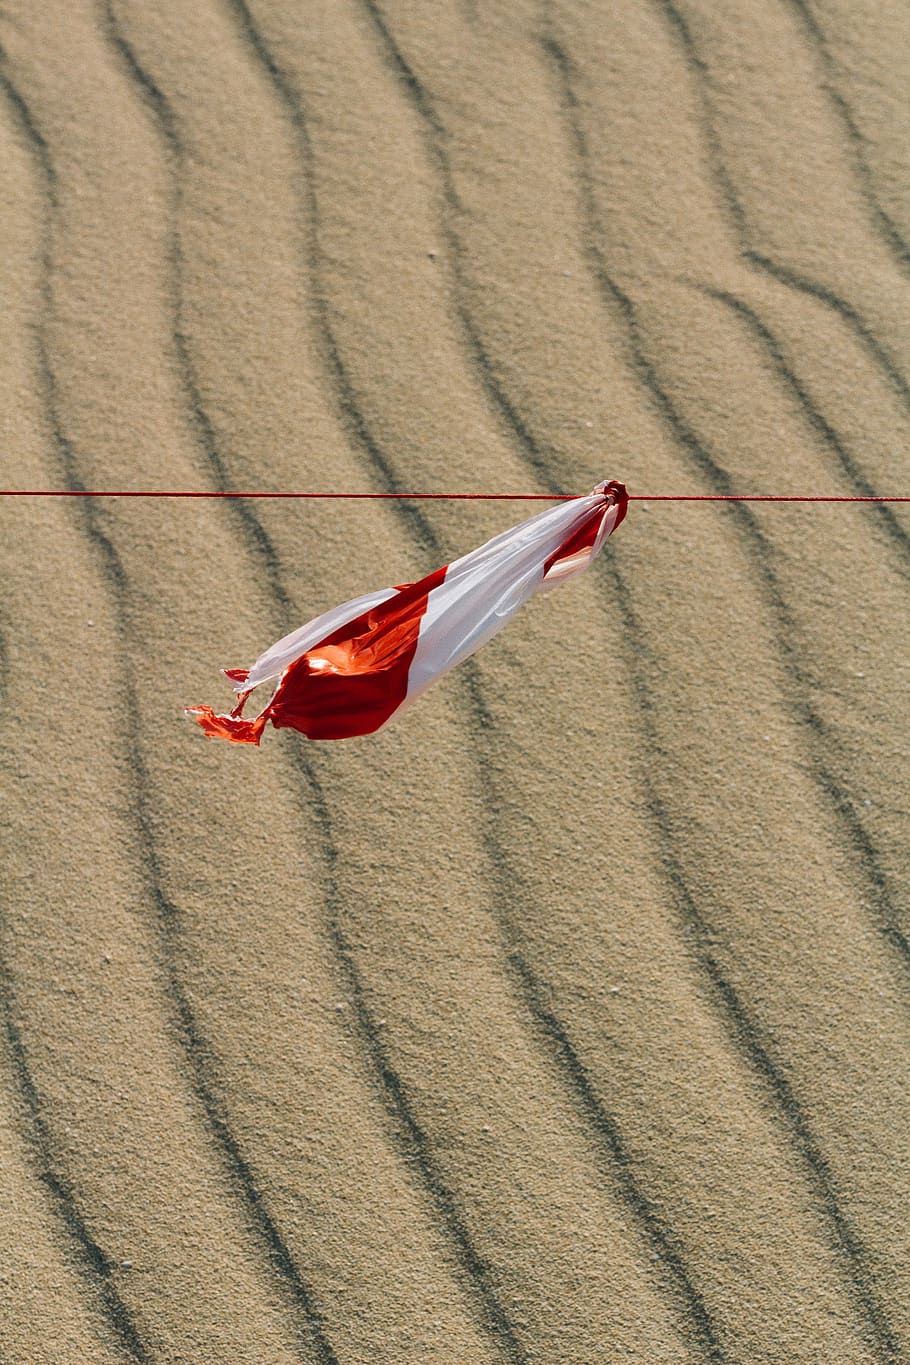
<point x="237" y="675"/>
<point x="241" y="703"/>
<point x="233" y="728"/>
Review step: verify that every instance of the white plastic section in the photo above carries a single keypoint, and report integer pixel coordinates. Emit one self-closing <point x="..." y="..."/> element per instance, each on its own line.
<point x="483" y="590"/>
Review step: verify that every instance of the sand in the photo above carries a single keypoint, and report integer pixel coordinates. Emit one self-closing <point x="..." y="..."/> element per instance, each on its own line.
<point x="566" y="1020"/>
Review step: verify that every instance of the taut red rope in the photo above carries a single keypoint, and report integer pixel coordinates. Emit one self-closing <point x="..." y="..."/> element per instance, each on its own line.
<point x="439" y="497"/>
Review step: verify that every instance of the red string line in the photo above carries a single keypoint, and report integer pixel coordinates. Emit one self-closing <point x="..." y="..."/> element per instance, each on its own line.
<point x="440" y="497"/>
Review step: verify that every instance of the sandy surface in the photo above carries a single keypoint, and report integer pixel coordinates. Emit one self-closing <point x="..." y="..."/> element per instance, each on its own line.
<point x="566" y="1020"/>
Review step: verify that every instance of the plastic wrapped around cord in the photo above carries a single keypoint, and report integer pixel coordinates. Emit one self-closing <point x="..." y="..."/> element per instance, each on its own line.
<point x="349" y="671"/>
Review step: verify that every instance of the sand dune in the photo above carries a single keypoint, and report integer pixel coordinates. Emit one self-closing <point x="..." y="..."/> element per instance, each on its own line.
<point x="566" y="1020"/>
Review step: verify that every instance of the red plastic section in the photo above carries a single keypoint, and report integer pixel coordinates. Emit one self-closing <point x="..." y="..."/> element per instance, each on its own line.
<point x="354" y="680"/>
<point x="234" y="728"/>
<point x="347" y="685"/>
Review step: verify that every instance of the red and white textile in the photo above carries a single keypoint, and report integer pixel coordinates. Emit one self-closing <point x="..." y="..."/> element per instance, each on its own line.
<point x="351" y="670"/>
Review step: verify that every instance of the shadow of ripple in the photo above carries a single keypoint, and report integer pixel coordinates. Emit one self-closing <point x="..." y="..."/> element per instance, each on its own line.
<point x="882" y="221"/>
<point x="201" y="1065"/>
<point x="95" y="1266"/>
<point x="750" y="531"/>
<point x="882" y="513"/>
<point x="413" y="1144"/>
<point x="743" y="1027"/>
<point x="783" y="274"/>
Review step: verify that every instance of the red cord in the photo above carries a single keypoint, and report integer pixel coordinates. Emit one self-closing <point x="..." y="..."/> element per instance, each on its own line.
<point x="441" y="497"/>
